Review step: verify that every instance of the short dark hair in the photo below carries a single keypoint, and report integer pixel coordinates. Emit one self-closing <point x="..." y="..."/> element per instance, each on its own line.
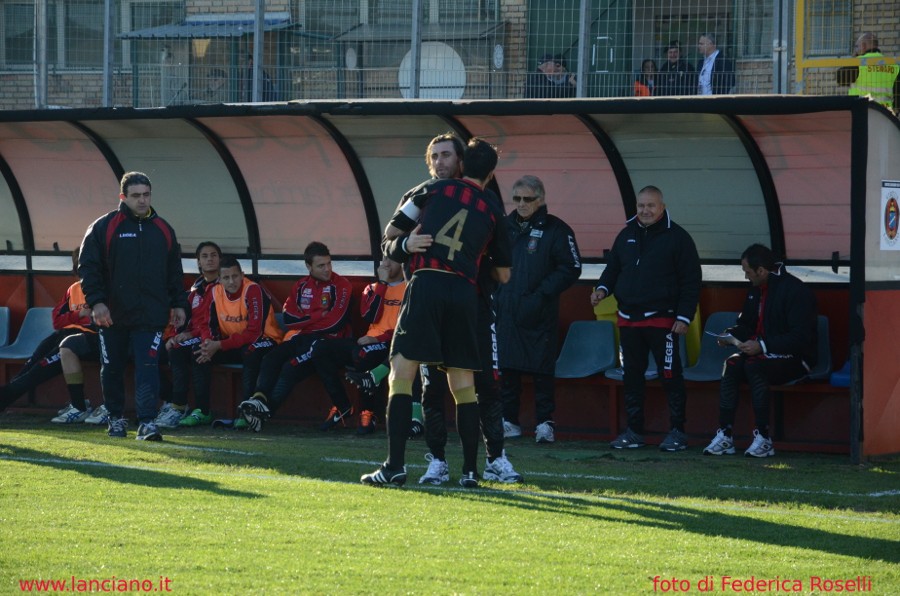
<point x="452" y="137"/>
<point x="758" y="255"/>
<point x="206" y="244"/>
<point x="230" y="261"/>
<point x="133" y="179"/>
<point x="674" y="45"/>
<point x="653" y="189"/>
<point x="480" y="159"/>
<point x="315" y="249"/>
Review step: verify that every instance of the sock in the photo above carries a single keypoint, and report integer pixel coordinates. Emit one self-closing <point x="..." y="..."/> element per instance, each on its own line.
<point x="380" y="372"/>
<point x="398" y="421"/>
<point x="417" y="412"/>
<point x="75" y="385"/>
<point x="727" y="431"/>
<point x="261" y="397"/>
<point x="763" y="430"/>
<point x="468" y="427"/>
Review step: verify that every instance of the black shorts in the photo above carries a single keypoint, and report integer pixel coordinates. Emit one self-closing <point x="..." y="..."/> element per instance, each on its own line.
<point x="84" y="345"/>
<point x="437" y="321"/>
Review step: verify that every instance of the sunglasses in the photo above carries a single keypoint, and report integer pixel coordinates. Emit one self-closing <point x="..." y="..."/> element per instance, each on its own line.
<point x="519" y="199"/>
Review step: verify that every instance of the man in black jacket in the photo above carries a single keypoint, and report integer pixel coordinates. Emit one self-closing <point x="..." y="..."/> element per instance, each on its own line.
<point x="715" y="72"/>
<point x="776" y="333"/>
<point x="675" y="76"/>
<point x="130" y="268"/>
<point x="546" y="262"/>
<point x="654" y="272"/>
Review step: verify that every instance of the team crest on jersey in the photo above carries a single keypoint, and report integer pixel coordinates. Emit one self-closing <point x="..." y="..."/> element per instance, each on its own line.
<point x="196" y="301"/>
<point x="306" y="298"/>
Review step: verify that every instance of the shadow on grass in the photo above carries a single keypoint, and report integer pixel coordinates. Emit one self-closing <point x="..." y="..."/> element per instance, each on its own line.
<point x="125" y="474"/>
<point x="702" y="521"/>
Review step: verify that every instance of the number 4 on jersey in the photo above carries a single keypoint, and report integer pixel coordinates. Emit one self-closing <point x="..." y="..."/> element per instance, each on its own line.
<point x="452" y="242"/>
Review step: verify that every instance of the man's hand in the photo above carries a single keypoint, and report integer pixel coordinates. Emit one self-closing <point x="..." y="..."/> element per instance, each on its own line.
<point x="178" y="317"/>
<point x="384" y="271"/>
<point x="417" y="242"/>
<point x="207" y="350"/>
<point x="176" y="339"/>
<point x="679" y="328"/>
<point x="597" y="296"/>
<point x="365" y="340"/>
<point x="101" y="316"/>
<point x="750" y="347"/>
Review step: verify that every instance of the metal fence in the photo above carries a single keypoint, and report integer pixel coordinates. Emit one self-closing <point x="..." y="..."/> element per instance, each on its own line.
<point x="83" y="53"/>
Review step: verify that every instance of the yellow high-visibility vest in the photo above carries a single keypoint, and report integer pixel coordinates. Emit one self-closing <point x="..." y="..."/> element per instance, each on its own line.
<point x="877" y="74"/>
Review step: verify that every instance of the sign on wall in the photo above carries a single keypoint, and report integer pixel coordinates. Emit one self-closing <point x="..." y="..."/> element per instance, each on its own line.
<point x="890" y="214"/>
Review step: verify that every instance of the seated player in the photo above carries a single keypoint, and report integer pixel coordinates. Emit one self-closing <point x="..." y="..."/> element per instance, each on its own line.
<point x="74" y="340"/>
<point x="380" y="307"/>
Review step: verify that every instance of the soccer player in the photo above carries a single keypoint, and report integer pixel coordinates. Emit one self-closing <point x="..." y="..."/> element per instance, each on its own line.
<point x="457" y="226"/>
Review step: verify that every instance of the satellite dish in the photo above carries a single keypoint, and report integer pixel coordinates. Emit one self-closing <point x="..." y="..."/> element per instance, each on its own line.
<point x="442" y="74"/>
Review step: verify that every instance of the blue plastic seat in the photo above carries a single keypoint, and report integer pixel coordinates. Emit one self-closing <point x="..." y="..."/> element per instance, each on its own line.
<point x="4" y="325"/>
<point x="589" y="348"/>
<point x="712" y="356"/>
<point x="36" y="326"/>
<point x="618" y="373"/>
<point x="841" y="378"/>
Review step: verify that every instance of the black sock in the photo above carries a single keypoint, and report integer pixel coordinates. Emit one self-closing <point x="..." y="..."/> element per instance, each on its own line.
<point x="398" y="421"/>
<point x="76" y="395"/>
<point x="468" y="426"/>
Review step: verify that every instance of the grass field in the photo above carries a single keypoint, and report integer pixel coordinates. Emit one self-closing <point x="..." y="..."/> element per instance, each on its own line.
<point x="282" y="512"/>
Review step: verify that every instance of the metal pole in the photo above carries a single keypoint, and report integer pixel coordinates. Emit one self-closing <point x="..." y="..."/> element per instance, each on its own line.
<point x="258" y="33"/>
<point x="40" y="54"/>
<point x="415" y="51"/>
<point x="584" y="20"/>
<point x="108" y="28"/>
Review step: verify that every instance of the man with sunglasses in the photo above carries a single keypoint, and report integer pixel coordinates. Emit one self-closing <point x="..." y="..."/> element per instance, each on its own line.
<point x="546" y="262"/>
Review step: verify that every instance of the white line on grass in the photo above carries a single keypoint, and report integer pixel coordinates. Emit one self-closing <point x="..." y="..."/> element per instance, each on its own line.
<point x="486" y="491"/>
<point x="874" y="495"/>
<point x="339" y="460"/>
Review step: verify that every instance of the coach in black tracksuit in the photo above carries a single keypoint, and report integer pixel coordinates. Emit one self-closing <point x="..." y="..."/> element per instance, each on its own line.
<point x="546" y="262"/>
<point x="131" y="274"/>
<point x="654" y="272"/>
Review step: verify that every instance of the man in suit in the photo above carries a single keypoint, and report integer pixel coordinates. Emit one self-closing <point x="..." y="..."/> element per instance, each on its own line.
<point x="715" y="71"/>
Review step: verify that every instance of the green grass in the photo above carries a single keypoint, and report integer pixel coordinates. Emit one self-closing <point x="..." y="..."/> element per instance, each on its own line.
<point x="220" y="512"/>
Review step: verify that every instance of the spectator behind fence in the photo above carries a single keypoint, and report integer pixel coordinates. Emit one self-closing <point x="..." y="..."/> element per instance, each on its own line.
<point x="716" y="72"/>
<point x="875" y="77"/>
<point x="675" y="77"/>
<point x="551" y="80"/>
<point x="546" y="262"/>
<point x="267" y="90"/>
<point x="130" y="268"/>
<point x="654" y="271"/>
<point x="74" y="339"/>
<point x="216" y="90"/>
<point x="645" y="85"/>
<point x="777" y="343"/>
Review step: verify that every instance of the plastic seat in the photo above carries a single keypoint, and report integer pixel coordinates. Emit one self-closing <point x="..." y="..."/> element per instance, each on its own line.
<point x="618" y="373"/>
<point x="36" y="326"/>
<point x="841" y="378"/>
<point x="589" y="348"/>
<point x="4" y="325"/>
<point x="712" y="356"/>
